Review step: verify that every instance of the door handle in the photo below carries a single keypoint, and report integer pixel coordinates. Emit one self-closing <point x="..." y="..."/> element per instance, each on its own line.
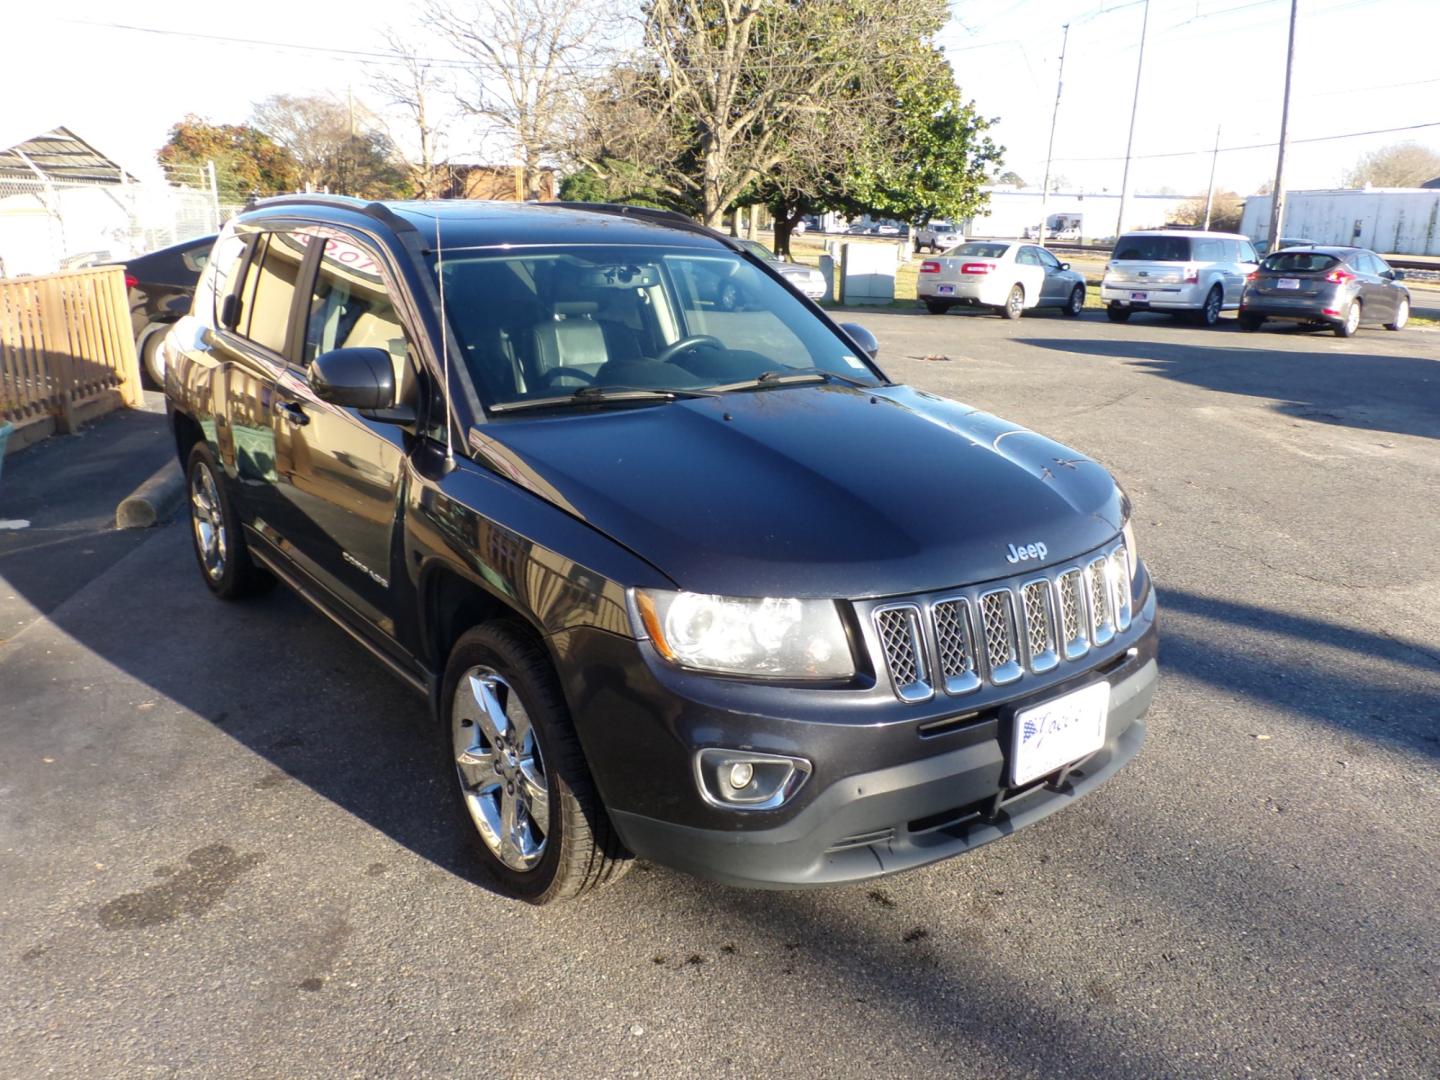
<point x="292" y="413"/>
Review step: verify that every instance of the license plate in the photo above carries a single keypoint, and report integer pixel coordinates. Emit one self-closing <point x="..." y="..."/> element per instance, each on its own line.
<point x="945" y="290"/>
<point x="1058" y="732"/>
<point x="1288" y="283"/>
<point x="1139" y="296"/>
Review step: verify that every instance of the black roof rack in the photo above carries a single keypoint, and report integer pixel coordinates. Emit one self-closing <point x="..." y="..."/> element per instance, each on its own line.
<point x="377" y="210"/>
<point x="672" y="218"/>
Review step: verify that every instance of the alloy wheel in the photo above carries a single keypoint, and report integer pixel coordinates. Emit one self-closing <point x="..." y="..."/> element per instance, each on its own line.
<point x="1016" y="303"/>
<point x="1212" y="307"/>
<point x="501" y="770"/>
<point x="208" y="521"/>
<point x="1352" y="319"/>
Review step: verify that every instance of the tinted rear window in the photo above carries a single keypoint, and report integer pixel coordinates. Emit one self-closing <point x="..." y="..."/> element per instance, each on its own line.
<point x="980" y="251"/>
<point x="1153" y="249"/>
<point x="1299" y="262"/>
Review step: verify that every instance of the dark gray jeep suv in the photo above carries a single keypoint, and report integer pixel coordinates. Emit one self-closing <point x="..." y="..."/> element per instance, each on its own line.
<point x="680" y="581"/>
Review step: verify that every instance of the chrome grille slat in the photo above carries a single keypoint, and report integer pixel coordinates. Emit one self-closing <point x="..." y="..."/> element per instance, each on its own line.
<point x="960" y="641"/>
<point x="1040" y="651"/>
<point x="905" y="653"/>
<point x="954" y="642"/>
<point x="997" y="616"/>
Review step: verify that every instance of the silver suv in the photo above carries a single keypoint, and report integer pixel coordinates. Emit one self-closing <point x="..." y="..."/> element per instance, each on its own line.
<point x="1202" y="273"/>
<point x="938" y="236"/>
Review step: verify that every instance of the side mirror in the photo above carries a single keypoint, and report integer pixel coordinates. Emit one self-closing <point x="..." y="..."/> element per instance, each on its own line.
<point x="1064" y="266"/>
<point x="361" y="378"/>
<point x="1397" y="275"/>
<point x="863" y="338"/>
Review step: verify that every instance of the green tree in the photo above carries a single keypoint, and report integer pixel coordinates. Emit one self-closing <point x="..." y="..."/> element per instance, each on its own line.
<point x="1010" y="178"/>
<point x="246" y="159"/>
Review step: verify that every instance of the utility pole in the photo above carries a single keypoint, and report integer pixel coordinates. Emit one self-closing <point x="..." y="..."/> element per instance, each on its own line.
<point x="1050" y="150"/>
<point x="1277" y="196"/>
<point x="1130" y="143"/>
<point x="1210" y="191"/>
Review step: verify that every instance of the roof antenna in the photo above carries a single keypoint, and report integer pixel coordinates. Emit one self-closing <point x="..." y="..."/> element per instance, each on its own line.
<point x="444" y="349"/>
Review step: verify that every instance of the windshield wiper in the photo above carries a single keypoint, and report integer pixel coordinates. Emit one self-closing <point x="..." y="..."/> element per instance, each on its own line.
<point x="602" y="395"/>
<point x="790" y="376"/>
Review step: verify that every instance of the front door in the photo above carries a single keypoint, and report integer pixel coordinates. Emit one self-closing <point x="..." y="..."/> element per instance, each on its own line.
<point x="1056" y="289"/>
<point x="339" y="474"/>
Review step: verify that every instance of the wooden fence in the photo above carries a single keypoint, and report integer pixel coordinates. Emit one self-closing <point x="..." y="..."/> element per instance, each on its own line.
<point x="67" y="352"/>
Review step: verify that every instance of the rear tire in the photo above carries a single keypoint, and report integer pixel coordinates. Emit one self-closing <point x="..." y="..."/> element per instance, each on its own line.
<point x="537" y="756"/>
<point x="1352" y="321"/>
<point x="215" y="532"/>
<point x="1251" y="323"/>
<point x="936" y="307"/>
<point x="1076" y="303"/>
<point x="1116" y="313"/>
<point x="152" y="374"/>
<point x="1014" y="303"/>
<point x="1209" y="313"/>
<point x="1402" y="316"/>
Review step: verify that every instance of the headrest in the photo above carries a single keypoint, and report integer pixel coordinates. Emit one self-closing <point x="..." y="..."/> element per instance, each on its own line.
<point x="566" y="308"/>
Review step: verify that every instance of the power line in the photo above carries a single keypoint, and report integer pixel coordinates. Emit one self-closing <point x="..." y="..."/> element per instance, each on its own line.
<point x="1256" y="146"/>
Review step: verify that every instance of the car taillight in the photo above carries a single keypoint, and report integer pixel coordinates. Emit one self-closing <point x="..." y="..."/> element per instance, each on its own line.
<point x="1339" y="277"/>
<point x="929" y="266"/>
<point x="1192" y="276"/>
<point x="1253" y="275"/>
<point x="975" y="268"/>
<point x="131" y="281"/>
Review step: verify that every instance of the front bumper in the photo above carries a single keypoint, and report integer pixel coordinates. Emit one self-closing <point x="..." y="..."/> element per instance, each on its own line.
<point x="884" y="795"/>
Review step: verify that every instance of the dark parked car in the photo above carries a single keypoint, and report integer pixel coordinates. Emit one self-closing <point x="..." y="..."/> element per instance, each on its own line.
<point x="161" y="284"/>
<point x="1338" y="287"/>
<point x="694" y="585"/>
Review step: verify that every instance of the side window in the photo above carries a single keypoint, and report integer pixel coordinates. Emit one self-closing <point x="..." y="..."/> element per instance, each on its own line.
<point x="1230" y="250"/>
<point x="1050" y="262"/>
<point x="1248" y="253"/>
<point x="1375" y="265"/>
<point x="1207" y="251"/>
<point x="273" y="291"/>
<point x="1026" y="257"/>
<point x="228" y="256"/>
<point x="350" y="308"/>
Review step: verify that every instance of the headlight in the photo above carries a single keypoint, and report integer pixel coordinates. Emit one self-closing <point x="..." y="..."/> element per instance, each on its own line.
<point x="778" y="638"/>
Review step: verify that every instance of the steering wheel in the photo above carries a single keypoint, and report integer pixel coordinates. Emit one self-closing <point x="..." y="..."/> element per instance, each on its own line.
<point x="685" y="344"/>
<point x="551" y="374"/>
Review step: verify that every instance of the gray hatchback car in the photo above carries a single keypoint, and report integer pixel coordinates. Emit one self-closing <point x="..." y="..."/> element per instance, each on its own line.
<point x="1339" y="287"/>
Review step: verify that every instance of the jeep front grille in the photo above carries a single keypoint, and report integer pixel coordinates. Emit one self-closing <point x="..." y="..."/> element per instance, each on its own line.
<point x="999" y="634"/>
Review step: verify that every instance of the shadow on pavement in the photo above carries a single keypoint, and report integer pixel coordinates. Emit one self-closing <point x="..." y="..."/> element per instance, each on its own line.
<point x="1333" y="383"/>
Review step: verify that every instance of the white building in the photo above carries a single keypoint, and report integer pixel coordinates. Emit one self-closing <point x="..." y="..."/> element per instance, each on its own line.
<point x="1012" y="210"/>
<point x="1399" y="221"/>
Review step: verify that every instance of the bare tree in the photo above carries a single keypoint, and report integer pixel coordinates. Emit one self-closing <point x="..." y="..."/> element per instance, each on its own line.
<point x="726" y="92"/>
<point x="414" y="85"/>
<point x="1403" y="164"/>
<point x="337" y="145"/>
<point x="527" y="58"/>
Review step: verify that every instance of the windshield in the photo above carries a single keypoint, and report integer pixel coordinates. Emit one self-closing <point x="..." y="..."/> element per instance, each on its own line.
<point x="981" y="251"/>
<point x="1300" y="262"/>
<point x="759" y="250"/>
<point x="544" y="322"/>
<point x="1153" y="249"/>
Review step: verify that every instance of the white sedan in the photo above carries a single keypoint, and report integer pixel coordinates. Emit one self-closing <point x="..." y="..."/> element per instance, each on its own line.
<point x="1005" y="275"/>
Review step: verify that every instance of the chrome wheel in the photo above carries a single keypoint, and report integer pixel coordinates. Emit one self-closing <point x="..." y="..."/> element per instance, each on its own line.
<point x="501" y="770"/>
<point x="1352" y="319"/>
<point x="208" y="522"/>
<point x="1077" y="300"/>
<point x="1015" y="304"/>
<point x="1402" y="316"/>
<point x="1211" y="312"/>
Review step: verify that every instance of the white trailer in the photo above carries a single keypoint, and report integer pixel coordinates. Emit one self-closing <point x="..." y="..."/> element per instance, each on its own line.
<point x="1395" y="221"/>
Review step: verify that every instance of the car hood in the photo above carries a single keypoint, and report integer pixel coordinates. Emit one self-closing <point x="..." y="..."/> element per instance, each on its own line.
<point x="821" y="490"/>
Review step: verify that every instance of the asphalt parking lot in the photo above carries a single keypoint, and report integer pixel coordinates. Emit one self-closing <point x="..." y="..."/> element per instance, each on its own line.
<point x="223" y="849"/>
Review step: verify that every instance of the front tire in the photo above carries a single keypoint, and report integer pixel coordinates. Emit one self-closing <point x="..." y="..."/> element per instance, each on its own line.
<point x="1014" y="303"/>
<point x="524" y="796"/>
<point x="1076" y="303"/>
<point x="1352" y="321"/>
<point x="1402" y="316"/>
<point x="215" y="534"/>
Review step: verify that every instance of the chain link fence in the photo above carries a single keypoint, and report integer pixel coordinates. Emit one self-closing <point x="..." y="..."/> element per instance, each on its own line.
<point x="52" y="225"/>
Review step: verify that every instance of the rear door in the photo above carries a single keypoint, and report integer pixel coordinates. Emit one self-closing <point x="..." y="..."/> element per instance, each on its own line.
<point x="1148" y="263"/>
<point x="1030" y="272"/>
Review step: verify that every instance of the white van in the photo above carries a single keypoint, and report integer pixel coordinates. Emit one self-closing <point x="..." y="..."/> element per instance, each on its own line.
<point x="1172" y="270"/>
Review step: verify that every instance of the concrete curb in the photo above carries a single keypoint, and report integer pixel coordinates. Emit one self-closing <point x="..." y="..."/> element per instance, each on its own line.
<point x="153" y="499"/>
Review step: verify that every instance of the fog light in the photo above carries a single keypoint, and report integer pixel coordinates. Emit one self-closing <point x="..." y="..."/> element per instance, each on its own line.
<point x="748" y="779"/>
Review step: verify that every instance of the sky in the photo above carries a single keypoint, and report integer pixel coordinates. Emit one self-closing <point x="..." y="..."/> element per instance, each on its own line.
<point x="1360" y="65"/>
